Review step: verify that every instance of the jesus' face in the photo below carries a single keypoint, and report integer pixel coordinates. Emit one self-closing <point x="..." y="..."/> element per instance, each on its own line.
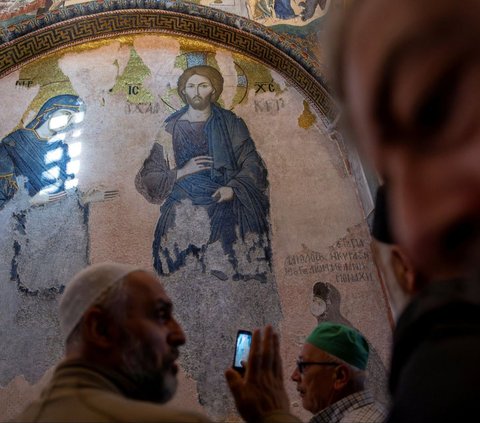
<point x="198" y="92"/>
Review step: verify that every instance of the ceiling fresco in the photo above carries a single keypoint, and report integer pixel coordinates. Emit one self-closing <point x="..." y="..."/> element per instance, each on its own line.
<point x="303" y="22"/>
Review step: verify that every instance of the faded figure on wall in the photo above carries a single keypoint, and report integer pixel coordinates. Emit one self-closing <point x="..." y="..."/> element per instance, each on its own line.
<point x="212" y="238"/>
<point x="264" y="9"/>
<point x="283" y="9"/>
<point x="260" y="9"/>
<point x="38" y="154"/>
<point x="309" y="8"/>
<point x="43" y="234"/>
<point x="212" y="166"/>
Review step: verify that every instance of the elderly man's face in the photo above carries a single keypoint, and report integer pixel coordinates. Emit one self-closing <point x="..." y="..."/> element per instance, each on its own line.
<point x="150" y="338"/>
<point x="315" y="384"/>
<point x="198" y="92"/>
<point x="411" y="79"/>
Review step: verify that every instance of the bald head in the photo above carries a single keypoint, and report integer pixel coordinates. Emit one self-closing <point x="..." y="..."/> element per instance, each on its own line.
<point x="408" y="73"/>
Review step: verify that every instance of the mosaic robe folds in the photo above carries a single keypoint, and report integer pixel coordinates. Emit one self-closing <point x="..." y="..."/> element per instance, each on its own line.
<point x="236" y="164"/>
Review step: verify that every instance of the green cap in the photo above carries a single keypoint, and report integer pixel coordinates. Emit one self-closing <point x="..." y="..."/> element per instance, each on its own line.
<point x="341" y="341"/>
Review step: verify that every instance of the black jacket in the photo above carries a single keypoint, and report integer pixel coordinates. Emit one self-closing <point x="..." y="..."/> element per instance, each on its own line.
<point x="435" y="369"/>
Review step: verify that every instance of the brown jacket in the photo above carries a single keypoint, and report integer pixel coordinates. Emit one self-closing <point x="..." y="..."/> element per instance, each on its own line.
<point x="79" y="393"/>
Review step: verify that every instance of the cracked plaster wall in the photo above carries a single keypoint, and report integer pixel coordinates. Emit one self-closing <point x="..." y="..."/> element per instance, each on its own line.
<point x="318" y="231"/>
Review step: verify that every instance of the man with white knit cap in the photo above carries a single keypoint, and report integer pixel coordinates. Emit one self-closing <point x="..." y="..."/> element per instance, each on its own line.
<point x="121" y="344"/>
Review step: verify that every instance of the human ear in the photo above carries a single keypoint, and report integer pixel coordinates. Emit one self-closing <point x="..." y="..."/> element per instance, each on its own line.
<point x="97" y="328"/>
<point x="404" y="271"/>
<point x="341" y="376"/>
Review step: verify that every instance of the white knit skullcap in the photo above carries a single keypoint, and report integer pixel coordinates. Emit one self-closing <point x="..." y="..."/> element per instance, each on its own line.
<point x="85" y="288"/>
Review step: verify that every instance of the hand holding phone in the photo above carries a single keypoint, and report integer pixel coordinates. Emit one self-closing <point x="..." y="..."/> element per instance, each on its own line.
<point x="242" y="349"/>
<point x="260" y="390"/>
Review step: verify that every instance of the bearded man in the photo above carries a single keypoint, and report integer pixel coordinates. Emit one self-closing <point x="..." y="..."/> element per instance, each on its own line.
<point x="121" y="345"/>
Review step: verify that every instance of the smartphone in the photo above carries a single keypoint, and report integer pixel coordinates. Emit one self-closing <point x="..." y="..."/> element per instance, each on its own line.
<point x="242" y="348"/>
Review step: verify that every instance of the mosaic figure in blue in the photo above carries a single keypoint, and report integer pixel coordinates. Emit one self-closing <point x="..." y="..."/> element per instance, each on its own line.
<point x="33" y="153"/>
<point x="214" y="167"/>
<point x="43" y="233"/>
<point x="283" y="9"/>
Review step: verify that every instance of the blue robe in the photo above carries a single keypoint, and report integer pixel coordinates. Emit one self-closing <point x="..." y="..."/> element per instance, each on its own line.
<point x="24" y="153"/>
<point x="283" y="9"/>
<point x="236" y="164"/>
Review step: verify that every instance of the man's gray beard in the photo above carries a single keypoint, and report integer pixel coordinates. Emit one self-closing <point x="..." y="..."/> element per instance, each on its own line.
<point x="139" y="365"/>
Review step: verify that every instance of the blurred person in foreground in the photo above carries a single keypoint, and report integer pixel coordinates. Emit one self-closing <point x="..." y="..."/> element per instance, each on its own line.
<point x="395" y="266"/>
<point x="407" y="75"/>
<point x="330" y="377"/>
<point x="121" y="347"/>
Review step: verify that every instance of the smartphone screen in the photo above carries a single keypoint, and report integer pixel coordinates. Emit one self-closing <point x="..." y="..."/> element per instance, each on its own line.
<point x="242" y="348"/>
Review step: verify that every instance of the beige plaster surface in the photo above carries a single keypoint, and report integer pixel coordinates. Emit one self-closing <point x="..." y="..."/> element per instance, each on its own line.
<point x="314" y="212"/>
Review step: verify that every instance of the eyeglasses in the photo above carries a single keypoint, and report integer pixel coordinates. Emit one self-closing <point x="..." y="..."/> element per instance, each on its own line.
<point x="301" y="365"/>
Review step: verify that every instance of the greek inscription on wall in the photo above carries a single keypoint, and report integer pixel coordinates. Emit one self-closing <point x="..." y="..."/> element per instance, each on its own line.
<point x="133" y="89"/>
<point x="348" y="260"/>
<point x="142" y="108"/>
<point x="264" y="87"/>
<point x="26" y="83"/>
<point x="271" y="106"/>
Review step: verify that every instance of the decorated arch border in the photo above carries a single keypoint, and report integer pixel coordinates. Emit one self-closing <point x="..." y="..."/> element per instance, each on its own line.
<point x="34" y="38"/>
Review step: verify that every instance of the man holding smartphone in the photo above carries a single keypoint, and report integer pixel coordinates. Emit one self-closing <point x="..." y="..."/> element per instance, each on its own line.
<point x="330" y="377"/>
